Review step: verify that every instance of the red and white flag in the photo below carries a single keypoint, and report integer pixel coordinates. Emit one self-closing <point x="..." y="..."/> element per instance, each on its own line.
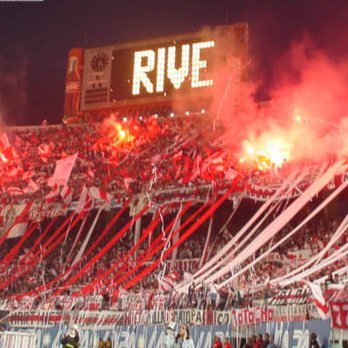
<point x="66" y="195"/>
<point x="168" y="282"/>
<point x="178" y="155"/>
<point x="43" y="150"/>
<point x="7" y="152"/>
<point x="15" y="170"/>
<point x="18" y="230"/>
<point x="230" y="174"/>
<point x="51" y="196"/>
<point x="90" y="172"/>
<point x="4" y="142"/>
<point x="16" y="220"/>
<point x="318" y="299"/>
<point x="15" y="191"/>
<point x="63" y="170"/>
<point x="99" y="194"/>
<point x="85" y="202"/>
<point x="28" y="175"/>
<point x="216" y="158"/>
<point x="127" y="182"/>
<point x="32" y="187"/>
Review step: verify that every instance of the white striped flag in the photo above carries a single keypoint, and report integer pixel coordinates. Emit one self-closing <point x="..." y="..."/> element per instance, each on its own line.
<point x="32" y="187"/>
<point x="85" y="202"/>
<point x="63" y="170"/>
<point x="14" y="191"/>
<point x="18" y="230"/>
<point x="216" y="157"/>
<point x="53" y="194"/>
<point x="178" y="155"/>
<point x="230" y="174"/>
<point x="28" y="175"/>
<point x="168" y="282"/>
<point x="4" y="142"/>
<point x="16" y="220"/>
<point x="7" y="152"/>
<point x="127" y="182"/>
<point x="66" y="194"/>
<point x="99" y="194"/>
<point x="43" y="150"/>
<point x="318" y="299"/>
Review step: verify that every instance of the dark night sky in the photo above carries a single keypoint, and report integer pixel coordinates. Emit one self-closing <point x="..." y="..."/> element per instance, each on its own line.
<point x="36" y="36"/>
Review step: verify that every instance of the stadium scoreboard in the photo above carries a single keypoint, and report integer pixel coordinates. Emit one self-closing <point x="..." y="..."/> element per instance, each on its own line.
<point x="149" y="72"/>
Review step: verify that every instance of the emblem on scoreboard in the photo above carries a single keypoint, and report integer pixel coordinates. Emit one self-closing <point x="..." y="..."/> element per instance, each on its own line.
<point x="97" y="84"/>
<point x="99" y="62"/>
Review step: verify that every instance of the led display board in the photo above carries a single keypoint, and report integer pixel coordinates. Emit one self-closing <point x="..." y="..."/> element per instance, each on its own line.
<point x="152" y="71"/>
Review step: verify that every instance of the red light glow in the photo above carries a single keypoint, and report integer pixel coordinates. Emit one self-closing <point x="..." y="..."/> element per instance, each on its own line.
<point x="266" y="153"/>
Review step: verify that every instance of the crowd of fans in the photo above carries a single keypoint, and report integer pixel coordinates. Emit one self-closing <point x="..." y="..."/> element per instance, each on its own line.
<point x="150" y="293"/>
<point x="123" y="158"/>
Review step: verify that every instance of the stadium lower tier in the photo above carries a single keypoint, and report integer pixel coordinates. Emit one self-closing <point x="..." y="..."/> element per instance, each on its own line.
<point x="91" y="330"/>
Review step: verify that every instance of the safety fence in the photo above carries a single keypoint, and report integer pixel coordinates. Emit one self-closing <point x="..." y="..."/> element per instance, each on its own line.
<point x="286" y="334"/>
<point x="138" y="329"/>
<point x="17" y="339"/>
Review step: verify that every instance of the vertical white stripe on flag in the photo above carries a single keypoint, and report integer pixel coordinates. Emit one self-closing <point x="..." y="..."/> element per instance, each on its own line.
<point x="63" y="169"/>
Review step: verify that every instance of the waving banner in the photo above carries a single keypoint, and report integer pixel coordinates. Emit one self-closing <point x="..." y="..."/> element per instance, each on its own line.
<point x="339" y="315"/>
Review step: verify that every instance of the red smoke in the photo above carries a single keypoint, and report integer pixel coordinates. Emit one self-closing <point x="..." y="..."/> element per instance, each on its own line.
<point x="308" y="109"/>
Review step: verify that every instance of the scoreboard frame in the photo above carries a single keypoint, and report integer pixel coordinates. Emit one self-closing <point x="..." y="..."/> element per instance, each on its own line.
<point x="107" y="80"/>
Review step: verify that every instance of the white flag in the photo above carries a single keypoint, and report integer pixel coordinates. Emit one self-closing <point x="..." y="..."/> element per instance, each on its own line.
<point x="4" y="142"/>
<point x="63" y="170"/>
<point x="18" y="230"/>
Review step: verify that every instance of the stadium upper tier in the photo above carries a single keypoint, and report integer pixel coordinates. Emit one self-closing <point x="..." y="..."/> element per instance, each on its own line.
<point x="122" y="158"/>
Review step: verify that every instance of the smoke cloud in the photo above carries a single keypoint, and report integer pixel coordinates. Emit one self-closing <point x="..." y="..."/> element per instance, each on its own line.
<point x="308" y="110"/>
<point x="13" y="87"/>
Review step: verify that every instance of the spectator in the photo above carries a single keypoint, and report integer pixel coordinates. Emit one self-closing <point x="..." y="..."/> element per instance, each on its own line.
<point x="108" y="343"/>
<point x="227" y="343"/>
<point x="212" y="295"/>
<point x="71" y="339"/>
<point x="258" y="342"/>
<point x="313" y="343"/>
<point x="271" y="343"/>
<point x="169" y="339"/>
<point x="191" y="293"/>
<point x="249" y="343"/>
<point x="329" y="280"/>
<point x="217" y="342"/>
<point x="183" y="339"/>
<point x="265" y="340"/>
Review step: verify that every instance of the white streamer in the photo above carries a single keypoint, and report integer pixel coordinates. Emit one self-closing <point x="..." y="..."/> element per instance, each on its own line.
<point x="339" y="254"/>
<point x="242" y="231"/>
<point x="77" y="236"/>
<point x="274" y="227"/>
<point x="263" y="208"/>
<point x="340" y="230"/>
<point x="88" y="236"/>
<point x="206" y="242"/>
<point x="308" y="218"/>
